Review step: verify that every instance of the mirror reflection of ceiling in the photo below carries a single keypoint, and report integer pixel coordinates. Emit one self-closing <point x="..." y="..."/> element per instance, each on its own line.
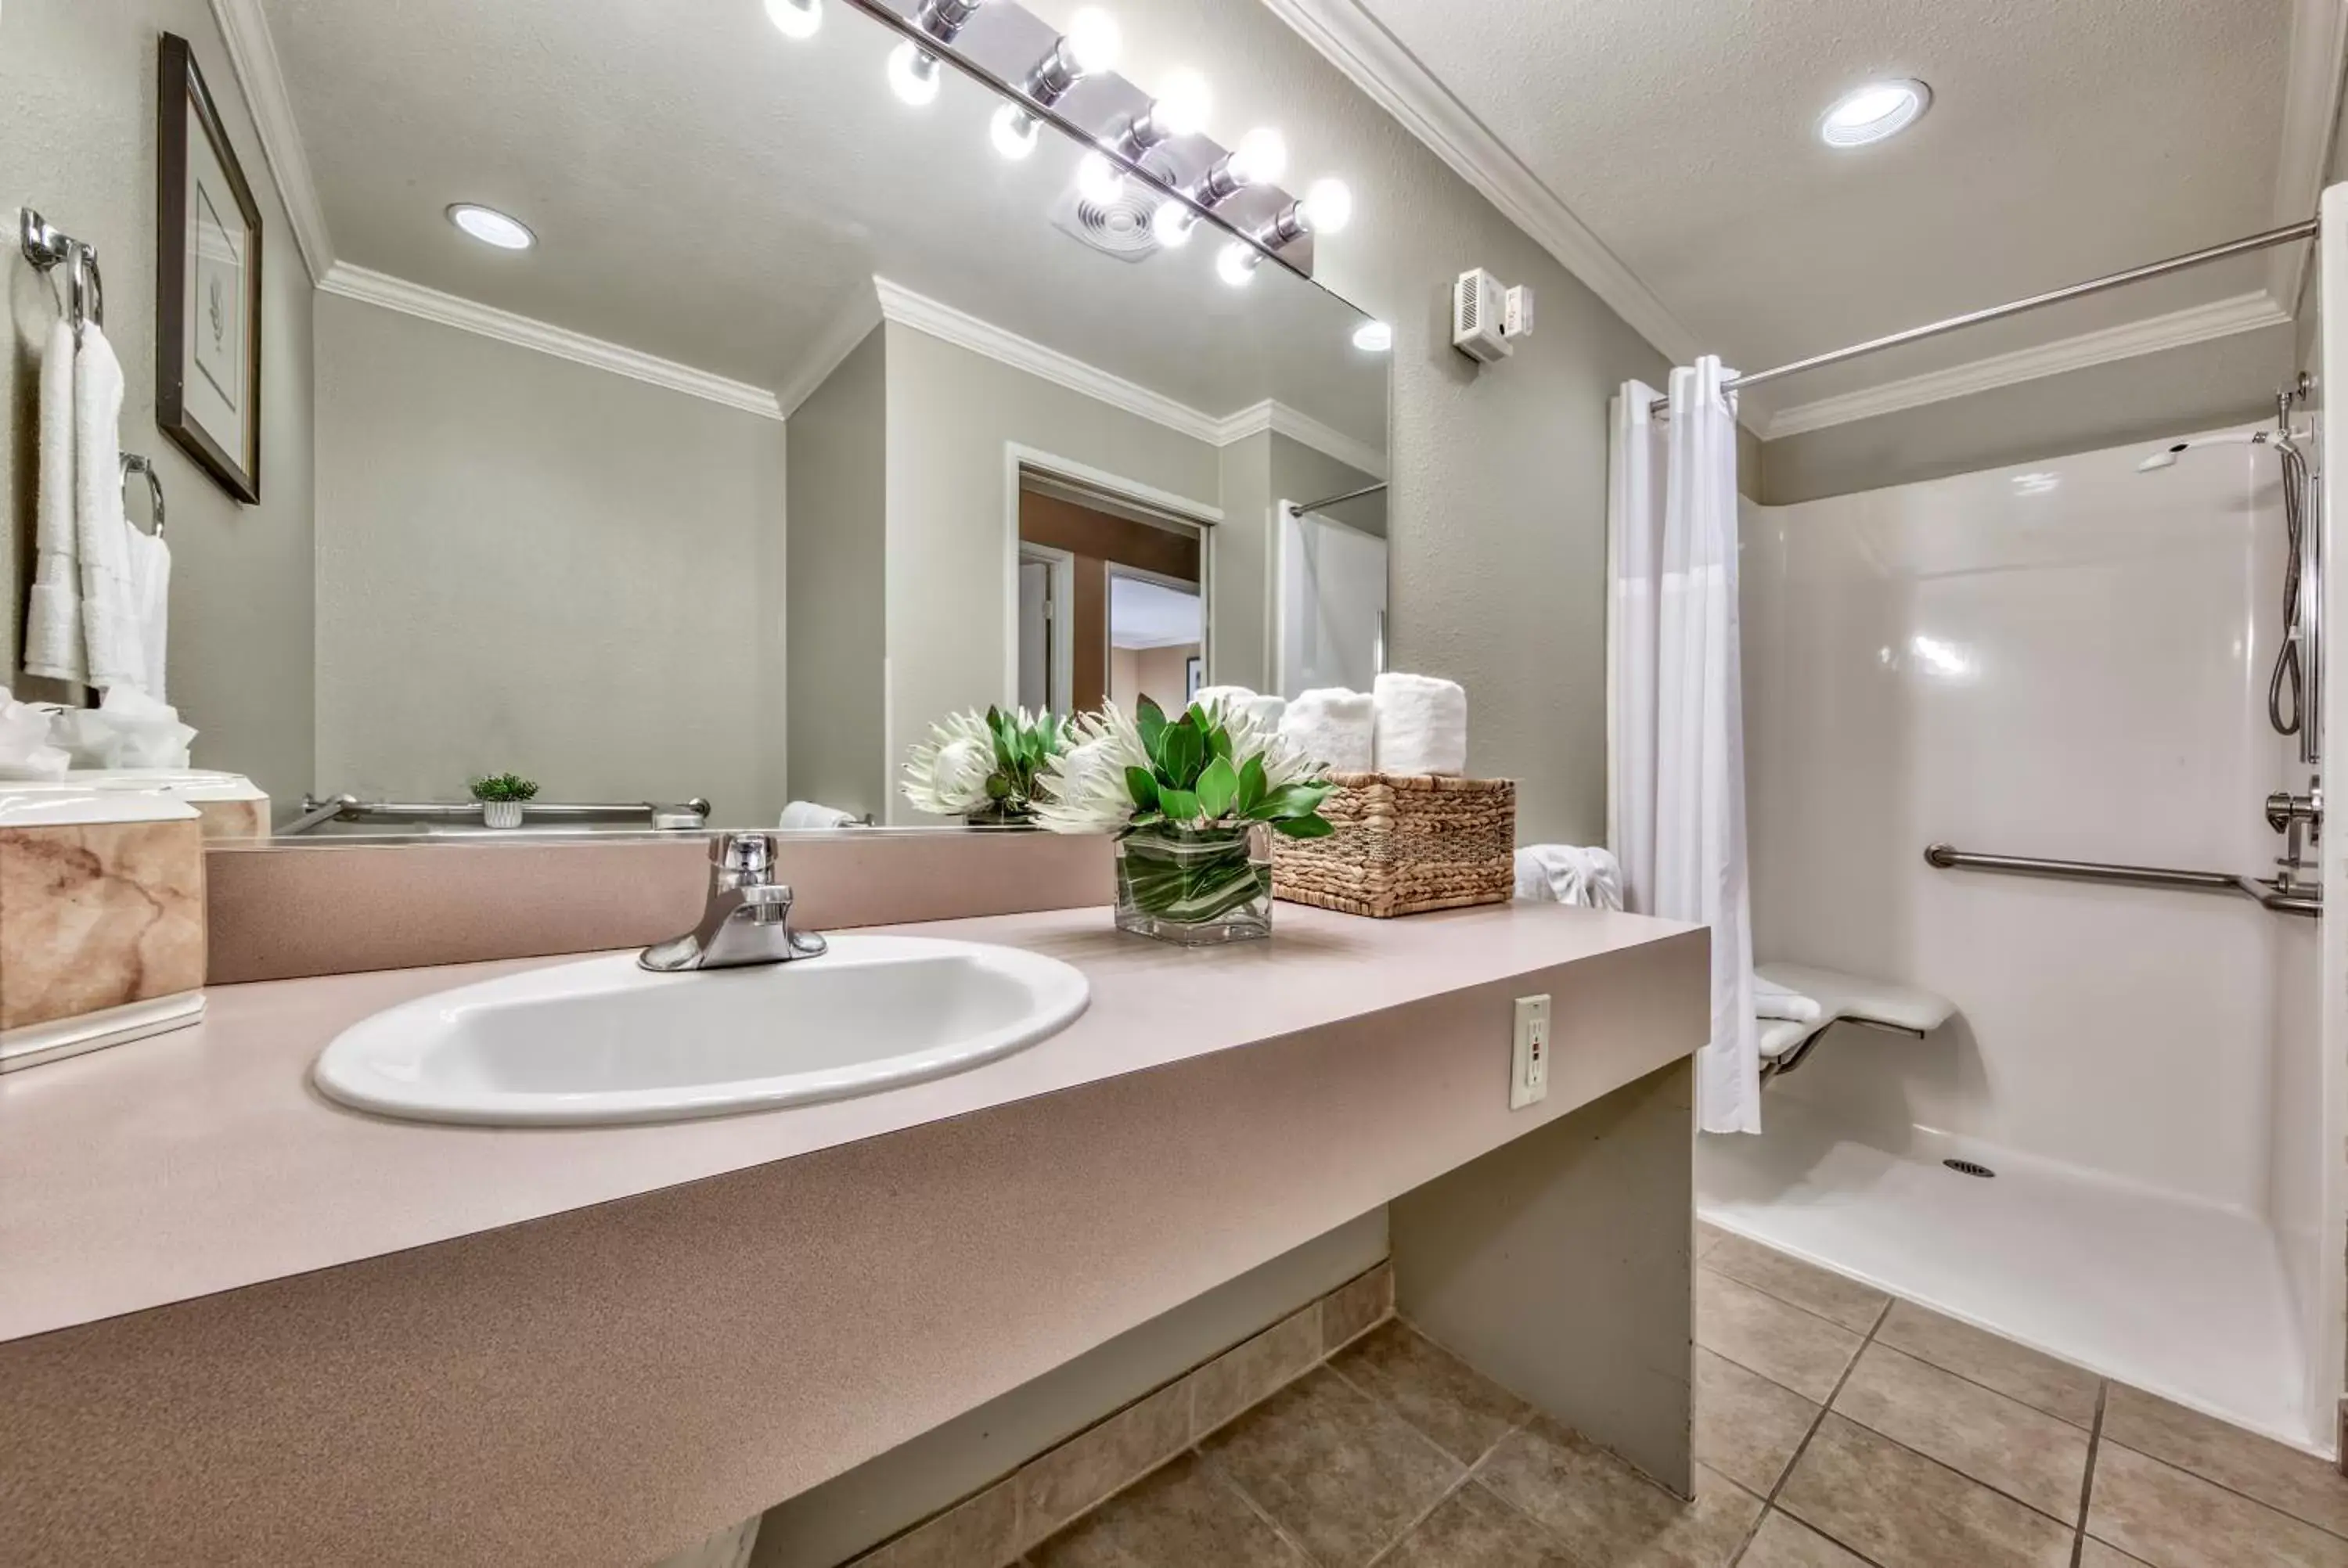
<point x="707" y="191"/>
<point x="1146" y="614"/>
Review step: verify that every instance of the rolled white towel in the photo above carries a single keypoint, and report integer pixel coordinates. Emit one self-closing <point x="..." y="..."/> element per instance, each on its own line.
<point x="1588" y="878"/>
<point x="1265" y="710"/>
<point x="1335" y="727"/>
<point x="807" y="816"/>
<point x="1422" y="725"/>
<point x="1771" y="999"/>
<point x="53" y="634"/>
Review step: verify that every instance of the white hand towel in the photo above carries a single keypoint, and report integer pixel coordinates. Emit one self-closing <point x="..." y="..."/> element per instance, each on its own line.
<point x="1588" y="879"/>
<point x="1422" y="725"/>
<point x="150" y="605"/>
<point x="1773" y="1000"/>
<point x="1335" y="727"/>
<point x="807" y="816"/>
<point x="53" y="635"/>
<point x="25" y="748"/>
<point x="127" y="729"/>
<point x="109" y="619"/>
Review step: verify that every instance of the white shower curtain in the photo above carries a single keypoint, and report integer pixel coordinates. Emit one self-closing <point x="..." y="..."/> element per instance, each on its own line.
<point x="1675" y="724"/>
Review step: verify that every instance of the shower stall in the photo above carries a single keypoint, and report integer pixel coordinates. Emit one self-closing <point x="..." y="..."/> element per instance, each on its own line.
<point x="2094" y="688"/>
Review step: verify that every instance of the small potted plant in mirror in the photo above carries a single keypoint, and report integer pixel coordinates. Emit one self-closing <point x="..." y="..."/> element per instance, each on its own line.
<point x="983" y="768"/>
<point x="1190" y="801"/>
<point x="502" y="796"/>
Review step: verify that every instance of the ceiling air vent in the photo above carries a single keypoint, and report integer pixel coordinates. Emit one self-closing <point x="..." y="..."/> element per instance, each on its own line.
<point x="1118" y="227"/>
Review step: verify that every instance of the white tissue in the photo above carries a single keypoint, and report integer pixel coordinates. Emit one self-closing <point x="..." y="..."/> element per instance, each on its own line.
<point x="1336" y="727"/>
<point x="127" y="729"/>
<point x="1422" y="725"/>
<point x="25" y="748"/>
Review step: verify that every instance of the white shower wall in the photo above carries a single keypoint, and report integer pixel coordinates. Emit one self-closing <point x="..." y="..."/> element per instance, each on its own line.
<point x="2066" y="661"/>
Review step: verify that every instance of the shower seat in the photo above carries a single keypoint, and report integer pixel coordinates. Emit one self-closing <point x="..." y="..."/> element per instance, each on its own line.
<point x="1848" y="998"/>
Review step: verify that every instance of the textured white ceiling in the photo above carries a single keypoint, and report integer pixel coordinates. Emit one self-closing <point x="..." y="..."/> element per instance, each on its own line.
<point x="708" y="192"/>
<point x="2069" y="139"/>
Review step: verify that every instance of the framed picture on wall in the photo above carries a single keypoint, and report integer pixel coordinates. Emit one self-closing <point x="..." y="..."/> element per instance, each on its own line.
<point x="207" y="283"/>
<point x="1193" y="670"/>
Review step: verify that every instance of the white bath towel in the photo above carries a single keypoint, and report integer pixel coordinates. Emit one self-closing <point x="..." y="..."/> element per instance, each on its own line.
<point x="1588" y="878"/>
<point x="1771" y="999"/>
<point x="25" y="751"/>
<point x="52" y="637"/>
<point x="109" y="612"/>
<point x="805" y="816"/>
<point x="1422" y="725"/>
<point x="1335" y="727"/>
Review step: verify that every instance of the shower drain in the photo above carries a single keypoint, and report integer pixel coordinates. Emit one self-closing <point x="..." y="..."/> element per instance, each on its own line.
<point x="1968" y="1168"/>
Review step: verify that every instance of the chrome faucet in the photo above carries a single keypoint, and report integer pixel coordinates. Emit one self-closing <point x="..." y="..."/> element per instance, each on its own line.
<point x="748" y="920"/>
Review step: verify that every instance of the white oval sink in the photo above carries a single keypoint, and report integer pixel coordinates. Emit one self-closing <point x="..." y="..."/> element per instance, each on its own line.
<point x="607" y="1041"/>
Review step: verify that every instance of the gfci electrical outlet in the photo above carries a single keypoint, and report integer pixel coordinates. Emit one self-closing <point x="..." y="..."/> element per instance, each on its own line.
<point x="1529" y="1071"/>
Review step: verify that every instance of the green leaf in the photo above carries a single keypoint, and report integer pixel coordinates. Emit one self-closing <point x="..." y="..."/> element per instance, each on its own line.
<point x="1304" y="826"/>
<point x="1296" y="800"/>
<point x="1179" y="805"/>
<point x="1185" y="753"/>
<point x="1218" y="743"/>
<point x="1142" y="785"/>
<point x="1253" y="785"/>
<point x="1218" y="786"/>
<point x="997" y="787"/>
<point x="1150" y="720"/>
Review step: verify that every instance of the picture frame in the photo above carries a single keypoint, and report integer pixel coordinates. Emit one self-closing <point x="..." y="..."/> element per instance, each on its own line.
<point x="1193" y="673"/>
<point x="208" y="244"/>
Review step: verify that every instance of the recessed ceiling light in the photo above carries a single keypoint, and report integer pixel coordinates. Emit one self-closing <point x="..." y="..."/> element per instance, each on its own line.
<point x="1873" y="112"/>
<point x="796" y="19"/>
<point x="492" y="227"/>
<point x="1374" y="337"/>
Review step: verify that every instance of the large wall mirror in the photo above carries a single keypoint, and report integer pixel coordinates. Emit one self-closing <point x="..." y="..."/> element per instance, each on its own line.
<point x="703" y="407"/>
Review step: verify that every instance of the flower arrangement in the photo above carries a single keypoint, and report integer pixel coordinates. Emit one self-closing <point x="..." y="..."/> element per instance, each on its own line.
<point x="1187" y="799"/>
<point x="984" y="767"/>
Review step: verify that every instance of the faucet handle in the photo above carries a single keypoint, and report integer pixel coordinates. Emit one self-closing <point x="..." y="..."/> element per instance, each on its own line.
<point x="742" y="859"/>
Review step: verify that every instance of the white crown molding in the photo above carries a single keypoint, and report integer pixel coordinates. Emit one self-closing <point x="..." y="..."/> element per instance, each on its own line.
<point x="1282" y="420"/>
<point x="467" y="315"/>
<point x="848" y="329"/>
<point x="2317" y="62"/>
<point x="2177" y="329"/>
<point x="919" y="312"/>
<point x="253" y="53"/>
<point x="1378" y="63"/>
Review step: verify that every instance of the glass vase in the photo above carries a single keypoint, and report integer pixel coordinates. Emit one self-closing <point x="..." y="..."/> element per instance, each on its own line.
<point x="1195" y="885"/>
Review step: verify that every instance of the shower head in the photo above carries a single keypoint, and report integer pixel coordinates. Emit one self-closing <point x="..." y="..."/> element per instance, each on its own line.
<point x="2167" y="456"/>
<point x="2164" y="458"/>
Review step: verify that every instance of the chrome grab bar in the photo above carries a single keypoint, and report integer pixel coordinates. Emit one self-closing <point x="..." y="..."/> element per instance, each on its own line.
<point x="1949" y="858"/>
<point x="688" y="817"/>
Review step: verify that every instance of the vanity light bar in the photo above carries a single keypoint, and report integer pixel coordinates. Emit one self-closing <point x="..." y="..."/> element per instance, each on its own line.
<point x="1011" y="49"/>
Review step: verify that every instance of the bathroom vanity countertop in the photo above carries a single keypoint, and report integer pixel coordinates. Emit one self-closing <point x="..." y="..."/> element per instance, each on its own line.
<point x="202" y="1160"/>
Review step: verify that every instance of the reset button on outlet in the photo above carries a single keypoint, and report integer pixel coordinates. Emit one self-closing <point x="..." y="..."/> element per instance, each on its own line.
<point x="1529" y="1069"/>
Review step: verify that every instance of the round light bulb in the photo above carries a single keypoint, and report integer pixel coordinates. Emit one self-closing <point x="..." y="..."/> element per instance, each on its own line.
<point x="1093" y="39"/>
<point x="492" y="227"/>
<point x="1329" y="206"/>
<point x="913" y="74"/>
<point x="1172" y="223"/>
<point x="1374" y="337"/>
<point x="1262" y="157"/>
<point x="1181" y="108"/>
<point x="1098" y="180"/>
<point x="796" y="19"/>
<point x="1237" y="264"/>
<point x="1013" y="132"/>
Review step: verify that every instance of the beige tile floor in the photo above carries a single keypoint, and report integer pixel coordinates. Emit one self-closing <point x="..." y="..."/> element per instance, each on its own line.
<point x="1835" y="1429"/>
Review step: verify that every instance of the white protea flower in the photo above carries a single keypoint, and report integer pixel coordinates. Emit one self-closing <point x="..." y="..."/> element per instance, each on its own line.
<point x="1085" y="785"/>
<point x="1284" y="762"/>
<point x="946" y="774"/>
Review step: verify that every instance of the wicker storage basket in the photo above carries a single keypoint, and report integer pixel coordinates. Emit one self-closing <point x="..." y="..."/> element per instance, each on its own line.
<point x="1403" y="845"/>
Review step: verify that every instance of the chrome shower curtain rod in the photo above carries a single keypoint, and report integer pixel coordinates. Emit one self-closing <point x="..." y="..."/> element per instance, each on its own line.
<point x="2304" y="230"/>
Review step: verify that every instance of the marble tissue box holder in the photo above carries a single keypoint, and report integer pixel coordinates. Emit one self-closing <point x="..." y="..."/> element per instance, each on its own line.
<point x="101" y="918"/>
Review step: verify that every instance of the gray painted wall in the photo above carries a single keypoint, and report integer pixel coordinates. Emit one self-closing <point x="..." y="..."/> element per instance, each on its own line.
<point x="527" y="563"/>
<point x="2202" y="387"/>
<point x="951" y="414"/>
<point x="78" y="141"/>
<point x="838" y="634"/>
